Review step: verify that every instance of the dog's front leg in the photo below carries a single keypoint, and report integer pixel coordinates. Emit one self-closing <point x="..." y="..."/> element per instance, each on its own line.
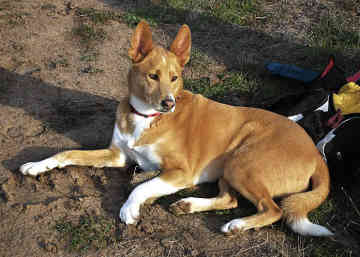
<point x="111" y="157"/>
<point x="151" y="189"/>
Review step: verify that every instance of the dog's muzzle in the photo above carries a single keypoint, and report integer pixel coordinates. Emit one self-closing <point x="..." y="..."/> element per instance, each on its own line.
<point x="168" y="104"/>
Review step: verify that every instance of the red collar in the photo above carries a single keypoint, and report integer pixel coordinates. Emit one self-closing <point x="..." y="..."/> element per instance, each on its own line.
<point x="144" y="115"/>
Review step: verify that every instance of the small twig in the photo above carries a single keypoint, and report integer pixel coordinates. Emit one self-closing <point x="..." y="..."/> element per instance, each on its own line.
<point x="250" y="248"/>
<point x="171" y="246"/>
<point x="351" y="201"/>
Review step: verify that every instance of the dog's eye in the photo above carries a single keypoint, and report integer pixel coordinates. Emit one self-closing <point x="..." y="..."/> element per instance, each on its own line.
<point x="154" y="76"/>
<point x="174" y="78"/>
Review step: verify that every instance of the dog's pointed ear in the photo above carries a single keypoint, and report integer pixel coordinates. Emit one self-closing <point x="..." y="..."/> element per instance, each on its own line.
<point x="181" y="46"/>
<point x="141" y="42"/>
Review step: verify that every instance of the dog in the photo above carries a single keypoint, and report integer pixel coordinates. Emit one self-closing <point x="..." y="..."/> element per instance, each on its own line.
<point x="193" y="140"/>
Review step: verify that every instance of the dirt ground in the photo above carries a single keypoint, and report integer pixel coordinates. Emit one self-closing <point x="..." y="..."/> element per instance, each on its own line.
<point x="58" y="93"/>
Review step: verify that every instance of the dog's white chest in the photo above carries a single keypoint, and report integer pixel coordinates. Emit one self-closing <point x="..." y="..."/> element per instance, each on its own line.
<point x="145" y="156"/>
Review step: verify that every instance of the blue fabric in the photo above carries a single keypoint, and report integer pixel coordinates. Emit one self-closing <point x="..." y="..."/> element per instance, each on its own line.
<point x="292" y="71"/>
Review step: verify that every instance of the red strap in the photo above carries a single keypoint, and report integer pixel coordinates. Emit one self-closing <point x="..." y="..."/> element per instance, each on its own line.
<point x="328" y="67"/>
<point x="354" y="77"/>
<point x="335" y="120"/>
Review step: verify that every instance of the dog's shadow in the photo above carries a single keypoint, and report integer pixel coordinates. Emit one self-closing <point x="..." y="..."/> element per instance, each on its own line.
<point x="84" y="118"/>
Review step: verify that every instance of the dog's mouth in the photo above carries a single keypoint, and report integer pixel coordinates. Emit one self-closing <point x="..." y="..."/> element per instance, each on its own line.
<point x="167" y="105"/>
<point x="166" y="109"/>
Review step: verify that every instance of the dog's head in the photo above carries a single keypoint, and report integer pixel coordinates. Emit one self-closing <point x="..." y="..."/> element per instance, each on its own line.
<point x="155" y="78"/>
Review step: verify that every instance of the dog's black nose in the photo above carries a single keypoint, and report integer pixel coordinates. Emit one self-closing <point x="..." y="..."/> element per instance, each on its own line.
<point x="167" y="103"/>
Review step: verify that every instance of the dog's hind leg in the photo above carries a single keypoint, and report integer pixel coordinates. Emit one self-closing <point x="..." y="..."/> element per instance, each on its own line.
<point x="224" y="200"/>
<point x="111" y="157"/>
<point x="268" y="211"/>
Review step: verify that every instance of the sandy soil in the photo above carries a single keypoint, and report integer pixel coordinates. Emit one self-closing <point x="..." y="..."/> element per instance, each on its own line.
<point x="50" y="100"/>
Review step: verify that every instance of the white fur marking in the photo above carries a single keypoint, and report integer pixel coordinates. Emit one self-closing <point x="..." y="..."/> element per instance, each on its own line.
<point x="305" y="227"/>
<point x="156" y="187"/>
<point x="124" y="139"/>
<point x="145" y="156"/>
<point x="198" y="204"/>
<point x="235" y="224"/>
<point x="163" y="59"/>
<point x="36" y="168"/>
<point x="142" y="107"/>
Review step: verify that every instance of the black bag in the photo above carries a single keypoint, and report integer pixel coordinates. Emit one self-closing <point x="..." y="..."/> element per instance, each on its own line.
<point x="336" y="136"/>
<point x="340" y="148"/>
<point x="313" y="95"/>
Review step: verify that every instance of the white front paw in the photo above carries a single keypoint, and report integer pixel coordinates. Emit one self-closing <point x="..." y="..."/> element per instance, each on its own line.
<point x="129" y="212"/>
<point x="36" y="168"/>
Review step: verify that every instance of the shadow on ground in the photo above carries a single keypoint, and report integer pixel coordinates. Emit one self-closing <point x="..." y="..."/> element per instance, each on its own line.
<point x="62" y="110"/>
<point x="238" y="47"/>
<point x="88" y="120"/>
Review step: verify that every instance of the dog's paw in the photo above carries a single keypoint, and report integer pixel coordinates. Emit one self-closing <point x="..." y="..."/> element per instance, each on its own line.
<point x="181" y="207"/>
<point x="36" y="168"/>
<point x="129" y="213"/>
<point x="234" y="226"/>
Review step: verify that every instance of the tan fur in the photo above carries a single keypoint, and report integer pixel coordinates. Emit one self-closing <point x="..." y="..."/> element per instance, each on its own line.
<point x="260" y="154"/>
<point x="124" y="119"/>
<point x="96" y="158"/>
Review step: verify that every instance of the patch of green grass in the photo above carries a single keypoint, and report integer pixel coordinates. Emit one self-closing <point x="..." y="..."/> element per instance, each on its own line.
<point x="91" y="70"/>
<point x="203" y="11"/>
<point x="15" y="18"/>
<point x="227" y="11"/>
<point x="89" y="28"/>
<point x="153" y="15"/>
<point x="89" y="57"/>
<point x="97" y="16"/>
<point x="321" y="214"/>
<point x="332" y="32"/>
<point x="11" y="11"/>
<point x="91" y="232"/>
<point x="48" y="6"/>
<point x="229" y="82"/>
<point x="89" y="33"/>
<point x="199" y="61"/>
<point x="60" y="61"/>
<point x="132" y="19"/>
<point x="5" y="5"/>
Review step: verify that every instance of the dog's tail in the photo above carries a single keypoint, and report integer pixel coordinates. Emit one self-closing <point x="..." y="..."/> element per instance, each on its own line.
<point x="297" y="206"/>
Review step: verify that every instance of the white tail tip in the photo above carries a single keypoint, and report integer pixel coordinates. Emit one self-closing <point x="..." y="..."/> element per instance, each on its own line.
<point x="306" y="228"/>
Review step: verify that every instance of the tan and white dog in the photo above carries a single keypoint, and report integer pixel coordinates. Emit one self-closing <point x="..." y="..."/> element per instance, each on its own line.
<point x="193" y="140"/>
